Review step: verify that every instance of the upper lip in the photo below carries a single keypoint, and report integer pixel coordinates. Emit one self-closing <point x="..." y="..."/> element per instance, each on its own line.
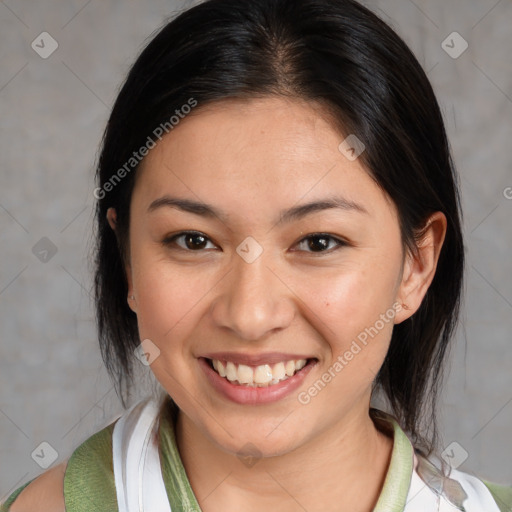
<point x="255" y="359"/>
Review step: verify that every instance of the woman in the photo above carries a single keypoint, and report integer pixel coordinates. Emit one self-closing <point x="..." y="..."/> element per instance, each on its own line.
<point x="278" y="222"/>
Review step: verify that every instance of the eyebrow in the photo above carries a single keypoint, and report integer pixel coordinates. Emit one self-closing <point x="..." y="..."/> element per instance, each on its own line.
<point x="288" y="215"/>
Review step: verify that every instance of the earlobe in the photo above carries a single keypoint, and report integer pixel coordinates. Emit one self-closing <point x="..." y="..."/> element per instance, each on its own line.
<point x="131" y="302"/>
<point x="420" y="267"/>
<point x="112" y="218"/>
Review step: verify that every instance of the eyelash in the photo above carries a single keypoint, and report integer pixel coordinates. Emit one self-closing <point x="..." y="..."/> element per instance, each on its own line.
<point x="171" y="240"/>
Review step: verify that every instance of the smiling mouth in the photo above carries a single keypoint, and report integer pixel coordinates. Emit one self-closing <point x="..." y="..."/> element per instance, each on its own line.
<point x="260" y="376"/>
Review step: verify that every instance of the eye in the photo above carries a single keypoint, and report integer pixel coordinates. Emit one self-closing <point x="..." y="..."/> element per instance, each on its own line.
<point x="189" y="241"/>
<point x="195" y="241"/>
<point x="320" y="242"/>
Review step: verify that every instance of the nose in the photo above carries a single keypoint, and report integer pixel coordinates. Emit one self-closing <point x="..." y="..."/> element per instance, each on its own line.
<point x="252" y="301"/>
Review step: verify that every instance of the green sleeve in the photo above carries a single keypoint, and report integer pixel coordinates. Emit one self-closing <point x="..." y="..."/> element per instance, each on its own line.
<point x="501" y="494"/>
<point x="4" y="507"/>
<point x="89" y="483"/>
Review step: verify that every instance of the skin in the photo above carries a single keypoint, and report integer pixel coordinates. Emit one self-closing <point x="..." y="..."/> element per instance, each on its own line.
<point x="45" y="493"/>
<point x="251" y="160"/>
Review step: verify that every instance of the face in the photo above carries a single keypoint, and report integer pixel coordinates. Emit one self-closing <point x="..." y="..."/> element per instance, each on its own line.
<point x="255" y="283"/>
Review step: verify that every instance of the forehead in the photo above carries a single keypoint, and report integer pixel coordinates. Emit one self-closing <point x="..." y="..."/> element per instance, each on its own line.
<point x="287" y="128"/>
<point x="267" y="151"/>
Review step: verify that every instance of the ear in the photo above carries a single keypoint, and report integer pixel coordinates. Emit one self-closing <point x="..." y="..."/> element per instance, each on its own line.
<point x="112" y="220"/>
<point x="420" y="268"/>
<point x="131" y="298"/>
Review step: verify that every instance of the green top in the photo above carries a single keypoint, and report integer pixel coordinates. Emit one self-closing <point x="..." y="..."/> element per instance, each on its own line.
<point x="89" y="483"/>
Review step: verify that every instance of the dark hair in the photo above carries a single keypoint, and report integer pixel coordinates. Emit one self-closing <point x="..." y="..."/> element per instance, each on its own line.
<point x="335" y="53"/>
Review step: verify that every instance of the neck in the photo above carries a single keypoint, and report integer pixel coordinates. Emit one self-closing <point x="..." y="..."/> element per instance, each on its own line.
<point x="346" y="467"/>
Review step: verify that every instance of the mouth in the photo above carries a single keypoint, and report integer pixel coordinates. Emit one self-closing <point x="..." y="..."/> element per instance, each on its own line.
<point x="260" y="376"/>
<point x="255" y="379"/>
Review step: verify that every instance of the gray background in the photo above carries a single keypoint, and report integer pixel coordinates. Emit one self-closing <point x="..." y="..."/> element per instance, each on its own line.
<point x="53" y="387"/>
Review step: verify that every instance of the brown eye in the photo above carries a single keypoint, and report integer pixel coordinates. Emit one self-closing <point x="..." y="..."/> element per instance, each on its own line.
<point x="193" y="241"/>
<point x="189" y="241"/>
<point x="320" y="243"/>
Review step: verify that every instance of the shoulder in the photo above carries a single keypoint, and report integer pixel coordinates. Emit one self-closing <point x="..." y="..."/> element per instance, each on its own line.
<point x="46" y="492"/>
<point x="82" y="482"/>
<point x="502" y="495"/>
<point x="489" y="495"/>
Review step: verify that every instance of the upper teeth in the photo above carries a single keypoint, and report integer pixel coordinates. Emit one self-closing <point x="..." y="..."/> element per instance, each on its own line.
<point x="260" y="376"/>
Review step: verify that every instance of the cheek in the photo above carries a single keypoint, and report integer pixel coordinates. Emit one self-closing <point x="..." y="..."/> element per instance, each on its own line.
<point x="353" y="310"/>
<point x="352" y="298"/>
<point x="168" y="301"/>
<point x="355" y="317"/>
<point x="168" y="311"/>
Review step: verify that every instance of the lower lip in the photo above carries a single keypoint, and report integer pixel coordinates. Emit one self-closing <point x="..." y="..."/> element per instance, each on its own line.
<point x="254" y="395"/>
